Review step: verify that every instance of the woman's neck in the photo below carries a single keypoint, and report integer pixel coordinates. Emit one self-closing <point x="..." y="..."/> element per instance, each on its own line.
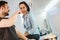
<point x="25" y="13"/>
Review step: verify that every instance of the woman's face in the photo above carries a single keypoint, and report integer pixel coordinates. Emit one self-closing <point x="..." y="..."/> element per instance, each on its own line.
<point x="23" y="9"/>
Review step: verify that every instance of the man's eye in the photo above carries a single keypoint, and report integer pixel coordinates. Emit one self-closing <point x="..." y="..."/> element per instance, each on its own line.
<point x="20" y="8"/>
<point x="23" y="7"/>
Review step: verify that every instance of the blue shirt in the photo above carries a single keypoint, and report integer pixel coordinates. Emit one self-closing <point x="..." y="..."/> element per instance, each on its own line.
<point x="30" y="24"/>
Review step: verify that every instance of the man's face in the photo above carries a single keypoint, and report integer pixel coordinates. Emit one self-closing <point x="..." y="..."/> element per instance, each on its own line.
<point x="6" y="10"/>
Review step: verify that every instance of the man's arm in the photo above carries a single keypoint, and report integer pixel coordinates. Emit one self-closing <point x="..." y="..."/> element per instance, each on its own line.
<point x="9" y="22"/>
<point x="20" y="35"/>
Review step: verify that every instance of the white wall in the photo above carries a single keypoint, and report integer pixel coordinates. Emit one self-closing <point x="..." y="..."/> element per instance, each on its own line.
<point x="53" y="15"/>
<point x="54" y="20"/>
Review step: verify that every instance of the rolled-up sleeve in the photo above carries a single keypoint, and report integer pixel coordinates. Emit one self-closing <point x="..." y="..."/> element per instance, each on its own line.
<point x="34" y="29"/>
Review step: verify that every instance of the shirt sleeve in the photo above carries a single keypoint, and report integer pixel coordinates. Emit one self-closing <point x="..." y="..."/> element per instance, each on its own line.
<point x="5" y="23"/>
<point x="34" y="25"/>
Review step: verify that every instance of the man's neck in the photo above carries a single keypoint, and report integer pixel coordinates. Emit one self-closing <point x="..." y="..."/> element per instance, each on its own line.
<point x="2" y="16"/>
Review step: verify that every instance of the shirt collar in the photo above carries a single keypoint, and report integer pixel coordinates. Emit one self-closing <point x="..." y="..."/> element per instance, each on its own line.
<point x="24" y="16"/>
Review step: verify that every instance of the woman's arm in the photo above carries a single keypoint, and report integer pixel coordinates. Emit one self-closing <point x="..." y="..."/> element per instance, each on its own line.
<point x="20" y="35"/>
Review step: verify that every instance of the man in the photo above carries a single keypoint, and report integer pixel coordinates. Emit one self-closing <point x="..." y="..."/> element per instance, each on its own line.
<point x="7" y="28"/>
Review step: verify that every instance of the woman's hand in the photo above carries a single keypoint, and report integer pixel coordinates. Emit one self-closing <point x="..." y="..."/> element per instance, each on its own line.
<point x="26" y="33"/>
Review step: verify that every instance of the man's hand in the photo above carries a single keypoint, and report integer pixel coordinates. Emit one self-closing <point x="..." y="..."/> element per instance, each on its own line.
<point x="18" y="12"/>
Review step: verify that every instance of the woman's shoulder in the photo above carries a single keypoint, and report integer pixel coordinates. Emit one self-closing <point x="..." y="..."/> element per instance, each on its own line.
<point x="30" y="14"/>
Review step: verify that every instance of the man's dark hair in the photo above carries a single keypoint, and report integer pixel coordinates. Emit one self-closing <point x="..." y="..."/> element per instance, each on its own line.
<point x="23" y="2"/>
<point x="2" y="3"/>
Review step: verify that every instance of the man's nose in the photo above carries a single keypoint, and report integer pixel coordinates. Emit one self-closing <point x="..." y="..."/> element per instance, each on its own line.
<point x="8" y="10"/>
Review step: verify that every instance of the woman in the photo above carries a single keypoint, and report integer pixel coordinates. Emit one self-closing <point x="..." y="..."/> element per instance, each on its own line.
<point x="29" y="23"/>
